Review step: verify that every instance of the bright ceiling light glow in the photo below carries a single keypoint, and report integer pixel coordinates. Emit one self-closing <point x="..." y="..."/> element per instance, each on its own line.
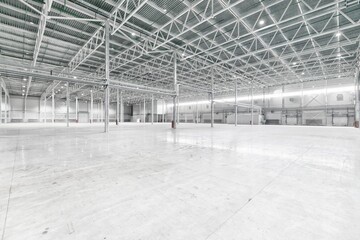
<point x="294" y="63"/>
<point x="133" y="34"/>
<point x="261" y="22"/>
<point x="74" y="77"/>
<point x="338" y="34"/>
<point x="302" y="73"/>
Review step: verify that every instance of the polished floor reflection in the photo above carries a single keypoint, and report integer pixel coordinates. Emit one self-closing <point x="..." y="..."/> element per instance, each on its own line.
<point x="150" y="182"/>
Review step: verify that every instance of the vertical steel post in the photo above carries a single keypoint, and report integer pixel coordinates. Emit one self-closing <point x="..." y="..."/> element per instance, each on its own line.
<point x="67" y="104"/>
<point x="0" y="104"/>
<point x="45" y="110"/>
<point x="236" y="106"/>
<point x="144" y="111"/>
<point x="163" y="111"/>
<point x="197" y="113"/>
<point x="117" y="107"/>
<point x="152" y="109"/>
<point x="326" y="102"/>
<point x="212" y="99"/>
<point x="176" y="93"/>
<point x="6" y="108"/>
<point x="282" y="105"/>
<point x="302" y="103"/>
<point x="76" y="109"/>
<point x="24" y="109"/>
<point x="107" y="75"/>
<point x="121" y="108"/>
<point x="178" y="107"/>
<point x="357" y="98"/>
<point x="91" y="106"/>
<point x="52" y="106"/>
<point x="252" y="102"/>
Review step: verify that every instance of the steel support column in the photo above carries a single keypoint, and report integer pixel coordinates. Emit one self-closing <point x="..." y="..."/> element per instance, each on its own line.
<point x="163" y="111"/>
<point x="52" y="106"/>
<point x="252" y="102"/>
<point x="0" y="104"/>
<point x="152" y="109"/>
<point x="6" y="109"/>
<point x="144" y="111"/>
<point x="121" y="108"/>
<point x="176" y="94"/>
<point x="178" y="109"/>
<point x="24" y="109"/>
<point x="326" y="102"/>
<point x="117" y="107"/>
<point x="91" y="106"/>
<point x="357" y="98"/>
<point x="282" y="105"/>
<point x="76" y="109"/>
<point x="67" y="105"/>
<point x="212" y="99"/>
<point x="45" y="110"/>
<point x="236" y="106"/>
<point x="197" y="113"/>
<point x="107" y="75"/>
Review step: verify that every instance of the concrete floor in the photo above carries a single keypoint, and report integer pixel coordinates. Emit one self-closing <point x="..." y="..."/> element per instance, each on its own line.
<point x="150" y="182"/>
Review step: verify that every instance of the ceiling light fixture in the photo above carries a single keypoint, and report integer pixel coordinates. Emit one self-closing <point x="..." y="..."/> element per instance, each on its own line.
<point x="74" y="77"/>
<point x="261" y="22"/>
<point x="338" y="34"/>
<point x="133" y="34"/>
<point x="24" y="79"/>
<point x="302" y="73"/>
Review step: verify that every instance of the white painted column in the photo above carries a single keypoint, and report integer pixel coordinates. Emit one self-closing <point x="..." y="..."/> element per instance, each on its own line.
<point x="1" y="105"/>
<point x="252" y="102"/>
<point x="302" y="103"/>
<point x="101" y="110"/>
<point x="163" y="111"/>
<point x="173" y="125"/>
<point x="152" y="109"/>
<point x="357" y="98"/>
<point x="236" y="107"/>
<point x="282" y="105"/>
<point x="117" y="107"/>
<point x="178" y="109"/>
<point x="326" y="102"/>
<point x="67" y="105"/>
<point x="121" y="108"/>
<point x="91" y="106"/>
<point x="45" y="110"/>
<point x="212" y="100"/>
<point x="197" y="113"/>
<point x="144" y="111"/>
<point x="76" y="109"/>
<point x="24" y="109"/>
<point x="107" y="75"/>
<point x="7" y="109"/>
<point x="52" y="106"/>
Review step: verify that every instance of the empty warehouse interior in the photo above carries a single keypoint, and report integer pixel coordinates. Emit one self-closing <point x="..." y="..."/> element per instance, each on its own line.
<point x="181" y="119"/>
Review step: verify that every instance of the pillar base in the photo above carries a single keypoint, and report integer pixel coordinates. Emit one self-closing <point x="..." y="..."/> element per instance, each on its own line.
<point x="173" y="125"/>
<point x="356" y="124"/>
